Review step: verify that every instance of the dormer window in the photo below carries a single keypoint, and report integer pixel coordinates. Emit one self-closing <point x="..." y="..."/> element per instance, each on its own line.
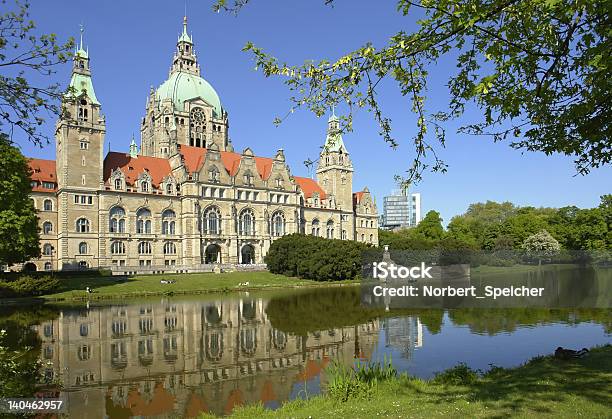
<point x="169" y="189"/>
<point x="144" y="186"/>
<point x="118" y="184"/>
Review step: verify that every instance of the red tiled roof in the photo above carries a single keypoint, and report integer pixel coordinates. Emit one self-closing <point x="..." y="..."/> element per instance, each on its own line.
<point x="309" y="186"/>
<point x="158" y="168"/>
<point x="43" y="171"/>
<point x="264" y="166"/>
<point x="194" y="159"/>
<point x="358" y="196"/>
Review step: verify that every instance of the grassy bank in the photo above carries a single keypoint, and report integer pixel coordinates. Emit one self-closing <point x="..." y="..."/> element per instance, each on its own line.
<point x="492" y="270"/>
<point x="543" y="387"/>
<point x="150" y="285"/>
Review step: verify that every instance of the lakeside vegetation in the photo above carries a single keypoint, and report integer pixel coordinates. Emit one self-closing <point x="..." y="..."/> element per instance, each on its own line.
<point x="493" y="227"/>
<point x="542" y="387"/>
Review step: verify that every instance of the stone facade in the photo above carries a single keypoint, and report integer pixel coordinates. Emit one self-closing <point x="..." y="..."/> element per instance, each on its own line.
<point x="187" y="198"/>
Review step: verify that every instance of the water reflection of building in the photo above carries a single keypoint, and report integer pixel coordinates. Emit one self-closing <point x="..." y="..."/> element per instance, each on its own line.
<point x="403" y="333"/>
<point x="177" y="359"/>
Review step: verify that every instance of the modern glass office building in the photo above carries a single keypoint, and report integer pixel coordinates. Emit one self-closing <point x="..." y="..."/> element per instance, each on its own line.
<point x="401" y="210"/>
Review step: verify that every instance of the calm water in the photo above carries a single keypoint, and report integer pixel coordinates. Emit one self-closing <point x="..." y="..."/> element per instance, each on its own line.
<point x="177" y="357"/>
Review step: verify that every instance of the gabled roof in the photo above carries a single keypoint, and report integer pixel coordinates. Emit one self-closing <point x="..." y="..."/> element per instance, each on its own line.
<point x="309" y="186"/>
<point x="194" y="159"/>
<point x="132" y="168"/>
<point x="43" y="171"/>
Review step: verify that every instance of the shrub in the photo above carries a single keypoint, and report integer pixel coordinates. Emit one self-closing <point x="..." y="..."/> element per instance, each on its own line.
<point x="458" y="375"/>
<point x="315" y="258"/>
<point x="27" y="286"/>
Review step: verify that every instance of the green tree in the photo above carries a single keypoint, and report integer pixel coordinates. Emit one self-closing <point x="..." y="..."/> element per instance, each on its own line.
<point x="539" y="71"/>
<point x="430" y="227"/>
<point x="19" y="238"/>
<point x="23" y="54"/>
<point x="541" y="245"/>
<point x="606" y="209"/>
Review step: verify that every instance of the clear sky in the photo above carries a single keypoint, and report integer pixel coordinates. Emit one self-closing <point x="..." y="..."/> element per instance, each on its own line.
<point x="131" y="44"/>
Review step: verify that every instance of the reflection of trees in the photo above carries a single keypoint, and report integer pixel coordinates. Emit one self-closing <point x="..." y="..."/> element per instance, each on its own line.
<point x="495" y="320"/>
<point x="321" y="309"/>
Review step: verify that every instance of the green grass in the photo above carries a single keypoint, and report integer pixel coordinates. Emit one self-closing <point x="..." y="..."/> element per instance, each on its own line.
<point x="149" y="285"/>
<point x="544" y="387"/>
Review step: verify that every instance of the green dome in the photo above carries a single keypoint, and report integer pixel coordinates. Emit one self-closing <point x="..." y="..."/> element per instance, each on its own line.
<point x="181" y="87"/>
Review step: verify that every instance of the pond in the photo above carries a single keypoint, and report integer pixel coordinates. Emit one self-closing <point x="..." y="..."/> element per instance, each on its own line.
<point x="182" y="356"/>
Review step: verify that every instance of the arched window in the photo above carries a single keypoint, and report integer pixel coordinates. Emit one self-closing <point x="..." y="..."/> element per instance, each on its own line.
<point x="316" y="229"/>
<point x="169" y="188"/>
<point x="47" y="249"/>
<point x="48" y="266"/>
<point x="168" y="222"/>
<point x="48" y="205"/>
<point x="144" y="186"/>
<point x="84" y="329"/>
<point x="144" y="248"/>
<point x="82" y="248"/>
<point x="82" y="225"/>
<point x="47" y="227"/>
<point x="278" y="224"/>
<point x="117" y="248"/>
<point x="371" y="238"/>
<point x="84" y="352"/>
<point x="247" y="223"/>
<point x="330" y="229"/>
<point x="143" y="221"/>
<point x="169" y="248"/>
<point x="117" y="220"/>
<point x="363" y="237"/>
<point x="212" y="221"/>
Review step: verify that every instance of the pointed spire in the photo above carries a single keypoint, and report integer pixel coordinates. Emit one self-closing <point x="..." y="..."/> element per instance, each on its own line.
<point x="133" y="148"/>
<point x="185" y="36"/>
<point x="334" y="142"/>
<point x="81" y="51"/>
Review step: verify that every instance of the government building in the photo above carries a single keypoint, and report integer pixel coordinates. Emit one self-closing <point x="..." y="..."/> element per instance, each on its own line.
<point x="186" y="200"/>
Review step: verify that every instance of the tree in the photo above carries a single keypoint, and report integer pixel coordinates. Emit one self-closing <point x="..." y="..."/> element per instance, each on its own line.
<point x="19" y="235"/>
<point x="541" y="245"/>
<point x="539" y="71"/>
<point x="430" y="227"/>
<point x="22" y="54"/>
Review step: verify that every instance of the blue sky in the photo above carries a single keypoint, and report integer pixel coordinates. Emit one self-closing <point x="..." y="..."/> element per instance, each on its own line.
<point x="131" y="45"/>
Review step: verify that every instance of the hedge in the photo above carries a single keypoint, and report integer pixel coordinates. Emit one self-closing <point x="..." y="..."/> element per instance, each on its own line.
<point x="315" y="258"/>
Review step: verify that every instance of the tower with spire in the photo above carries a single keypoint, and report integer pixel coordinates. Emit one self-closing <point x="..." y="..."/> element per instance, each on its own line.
<point x="79" y="138"/>
<point x="335" y="169"/>
<point x="81" y="128"/>
<point x="185" y="109"/>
